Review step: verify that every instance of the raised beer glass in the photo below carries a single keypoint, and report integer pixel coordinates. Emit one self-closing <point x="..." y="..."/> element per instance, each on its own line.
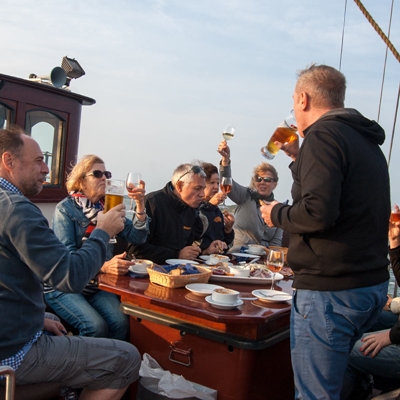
<point x="228" y="132"/>
<point x="284" y="133"/>
<point x="114" y="196"/>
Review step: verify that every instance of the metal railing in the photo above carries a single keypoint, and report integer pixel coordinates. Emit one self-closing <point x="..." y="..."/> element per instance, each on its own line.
<point x="10" y="381"/>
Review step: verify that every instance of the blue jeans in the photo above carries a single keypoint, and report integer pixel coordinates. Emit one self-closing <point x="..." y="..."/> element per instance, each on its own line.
<point x="96" y="315"/>
<point x="385" y="364"/>
<point x="324" y="327"/>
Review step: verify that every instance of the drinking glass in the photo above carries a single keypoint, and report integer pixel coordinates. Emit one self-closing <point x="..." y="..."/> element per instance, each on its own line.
<point x="133" y="181"/>
<point x="226" y="187"/>
<point x="284" y="133"/>
<point x="114" y="196"/>
<point x="395" y="215"/>
<point x="275" y="261"/>
<point x="228" y="132"/>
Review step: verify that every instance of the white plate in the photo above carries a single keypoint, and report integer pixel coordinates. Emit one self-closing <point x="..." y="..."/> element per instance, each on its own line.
<point x="256" y="254"/>
<point x="223" y="306"/>
<point x="245" y="255"/>
<point x="202" y="289"/>
<point x="212" y="265"/>
<point x="135" y="270"/>
<point x="173" y="261"/>
<point x="205" y="258"/>
<point x="244" y="279"/>
<point x="276" y="296"/>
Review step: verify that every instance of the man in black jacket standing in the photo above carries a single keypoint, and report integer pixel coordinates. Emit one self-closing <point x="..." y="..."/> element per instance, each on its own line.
<point x="338" y="227"/>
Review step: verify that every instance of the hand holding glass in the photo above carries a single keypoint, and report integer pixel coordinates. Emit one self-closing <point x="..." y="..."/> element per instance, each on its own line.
<point x="284" y="133"/>
<point x="114" y="196"/>
<point x="226" y="187"/>
<point x="275" y="261"/>
<point x="133" y="181"/>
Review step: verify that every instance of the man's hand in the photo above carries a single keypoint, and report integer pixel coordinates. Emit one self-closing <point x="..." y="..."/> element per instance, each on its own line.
<point x="375" y="342"/>
<point x="113" y="221"/>
<point x="266" y="209"/>
<point x="54" y="327"/>
<point x="189" y="252"/>
<point x="291" y="149"/>
<point x="118" y="265"/>
<point x="216" y="247"/>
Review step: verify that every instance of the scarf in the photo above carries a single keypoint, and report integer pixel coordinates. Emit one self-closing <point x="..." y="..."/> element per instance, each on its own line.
<point x="89" y="209"/>
<point x="257" y="196"/>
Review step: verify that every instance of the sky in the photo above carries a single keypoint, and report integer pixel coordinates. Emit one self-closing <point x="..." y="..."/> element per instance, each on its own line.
<point x="169" y="75"/>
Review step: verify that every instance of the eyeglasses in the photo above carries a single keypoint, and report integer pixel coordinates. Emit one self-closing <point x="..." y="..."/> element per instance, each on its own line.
<point x="266" y="179"/>
<point x="99" y="174"/>
<point x="196" y="170"/>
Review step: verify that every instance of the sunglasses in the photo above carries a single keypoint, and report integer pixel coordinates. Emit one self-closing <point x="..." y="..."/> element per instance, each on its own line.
<point x="99" y="174"/>
<point x="266" y="179"/>
<point x="196" y="170"/>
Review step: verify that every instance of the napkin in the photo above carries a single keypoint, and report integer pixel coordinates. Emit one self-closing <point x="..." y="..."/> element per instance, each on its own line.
<point x="186" y="269"/>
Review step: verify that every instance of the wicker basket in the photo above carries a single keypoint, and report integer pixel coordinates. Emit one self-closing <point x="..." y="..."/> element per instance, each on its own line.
<point x="176" y="281"/>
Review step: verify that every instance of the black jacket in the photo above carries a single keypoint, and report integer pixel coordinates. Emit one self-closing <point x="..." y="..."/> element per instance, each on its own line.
<point x="173" y="225"/>
<point x="216" y="227"/>
<point x="341" y="205"/>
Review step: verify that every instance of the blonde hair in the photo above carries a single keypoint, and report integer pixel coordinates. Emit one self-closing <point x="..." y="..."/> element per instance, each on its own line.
<point x="79" y="171"/>
<point x="263" y="167"/>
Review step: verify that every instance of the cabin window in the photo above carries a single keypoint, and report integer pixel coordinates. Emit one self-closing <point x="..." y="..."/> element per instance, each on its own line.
<point x="5" y="116"/>
<point x="48" y="130"/>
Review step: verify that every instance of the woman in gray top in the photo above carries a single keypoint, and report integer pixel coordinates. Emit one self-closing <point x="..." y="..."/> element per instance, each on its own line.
<point x="249" y="226"/>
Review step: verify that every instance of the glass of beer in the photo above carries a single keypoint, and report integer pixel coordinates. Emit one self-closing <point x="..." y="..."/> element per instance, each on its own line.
<point x="395" y="215"/>
<point x="114" y="196"/>
<point x="284" y="133"/>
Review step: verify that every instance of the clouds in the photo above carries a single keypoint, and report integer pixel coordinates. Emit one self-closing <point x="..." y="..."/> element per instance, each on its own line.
<point x="168" y="75"/>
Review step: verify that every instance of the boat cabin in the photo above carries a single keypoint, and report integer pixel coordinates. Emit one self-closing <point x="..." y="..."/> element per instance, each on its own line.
<point x="52" y="116"/>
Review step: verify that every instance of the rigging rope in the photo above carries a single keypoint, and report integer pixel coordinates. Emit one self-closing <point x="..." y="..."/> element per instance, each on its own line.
<point x="344" y="23"/>
<point x="384" y="65"/>
<point x="394" y="126"/>
<point x="378" y="30"/>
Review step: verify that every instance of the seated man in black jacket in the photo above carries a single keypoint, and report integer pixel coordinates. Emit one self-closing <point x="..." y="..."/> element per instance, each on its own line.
<point x="176" y="226"/>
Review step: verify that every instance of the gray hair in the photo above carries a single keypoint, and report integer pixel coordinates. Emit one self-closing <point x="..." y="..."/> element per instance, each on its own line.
<point x="325" y="86"/>
<point x="185" y="172"/>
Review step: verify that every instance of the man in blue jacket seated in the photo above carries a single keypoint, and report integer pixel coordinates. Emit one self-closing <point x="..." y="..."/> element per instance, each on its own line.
<point x="176" y="226"/>
<point x="31" y="254"/>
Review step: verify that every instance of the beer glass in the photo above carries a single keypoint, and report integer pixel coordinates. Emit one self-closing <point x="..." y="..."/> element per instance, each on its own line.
<point x="114" y="196"/>
<point x="395" y="215"/>
<point x="284" y="133"/>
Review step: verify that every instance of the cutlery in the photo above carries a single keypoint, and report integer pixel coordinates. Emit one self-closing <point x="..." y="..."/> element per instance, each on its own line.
<point x="271" y="295"/>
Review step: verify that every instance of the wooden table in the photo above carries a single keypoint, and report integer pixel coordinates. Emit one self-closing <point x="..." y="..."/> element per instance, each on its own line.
<point x="243" y="353"/>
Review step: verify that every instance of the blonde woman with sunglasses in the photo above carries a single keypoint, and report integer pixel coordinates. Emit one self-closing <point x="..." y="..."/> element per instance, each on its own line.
<point x="93" y="312"/>
<point x="249" y="225"/>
